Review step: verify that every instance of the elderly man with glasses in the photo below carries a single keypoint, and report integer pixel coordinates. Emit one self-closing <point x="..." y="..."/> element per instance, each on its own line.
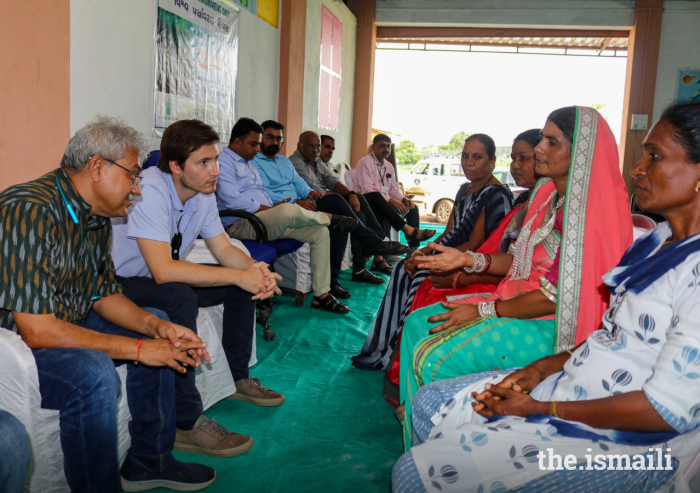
<point x="317" y="175"/>
<point x="60" y="294"/>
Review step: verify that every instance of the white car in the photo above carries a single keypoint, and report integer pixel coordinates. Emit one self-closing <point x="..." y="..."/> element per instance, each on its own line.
<point x="435" y="186"/>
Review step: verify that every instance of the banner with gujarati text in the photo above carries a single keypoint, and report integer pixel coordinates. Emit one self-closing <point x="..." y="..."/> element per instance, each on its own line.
<point x="196" y="64"/>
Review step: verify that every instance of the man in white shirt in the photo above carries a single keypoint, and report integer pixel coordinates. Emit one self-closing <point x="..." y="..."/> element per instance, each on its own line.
<point x="375" y="179"/>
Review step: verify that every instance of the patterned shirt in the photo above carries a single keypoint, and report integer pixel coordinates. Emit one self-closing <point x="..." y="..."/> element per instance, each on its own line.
<point x="46" y="266"/>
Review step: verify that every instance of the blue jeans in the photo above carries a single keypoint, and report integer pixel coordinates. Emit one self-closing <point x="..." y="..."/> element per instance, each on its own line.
<point x="182" y="303"/>
<point x="14" y="454"/>
<point x="83" y="385"/>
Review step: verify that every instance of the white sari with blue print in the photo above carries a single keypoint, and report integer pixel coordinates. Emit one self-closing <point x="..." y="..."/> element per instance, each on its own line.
<point x="650" y="342"/>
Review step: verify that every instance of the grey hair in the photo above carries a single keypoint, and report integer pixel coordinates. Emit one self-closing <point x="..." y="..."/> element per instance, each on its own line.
<point x="104" y="136"/>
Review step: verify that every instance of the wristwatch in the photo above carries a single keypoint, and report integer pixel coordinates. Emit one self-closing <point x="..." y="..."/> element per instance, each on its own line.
<point x="352" y="192"/>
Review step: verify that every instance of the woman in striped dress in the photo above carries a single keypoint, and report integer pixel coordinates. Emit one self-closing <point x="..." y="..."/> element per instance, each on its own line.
<point x="479" y="207"/>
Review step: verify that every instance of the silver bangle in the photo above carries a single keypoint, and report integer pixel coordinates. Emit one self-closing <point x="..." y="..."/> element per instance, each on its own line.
<point x="479" y="264"/>
<point x="487" y="309"/>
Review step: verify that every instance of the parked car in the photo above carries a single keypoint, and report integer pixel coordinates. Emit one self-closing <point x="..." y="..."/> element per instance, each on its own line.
<point x="434" y="185"/>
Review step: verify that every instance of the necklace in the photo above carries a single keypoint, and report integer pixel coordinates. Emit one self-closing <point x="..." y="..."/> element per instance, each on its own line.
<point x="560" y="202"/>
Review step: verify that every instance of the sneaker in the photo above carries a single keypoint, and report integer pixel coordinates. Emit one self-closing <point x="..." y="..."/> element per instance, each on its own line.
<point x="251" y="390"/>
<point x="208" y="437"/>
<point x="179" y="476"/>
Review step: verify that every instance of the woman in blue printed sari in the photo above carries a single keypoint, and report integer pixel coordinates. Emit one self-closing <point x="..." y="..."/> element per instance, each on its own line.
<point x="479" y="207"/>
<point x="628" y="396"/>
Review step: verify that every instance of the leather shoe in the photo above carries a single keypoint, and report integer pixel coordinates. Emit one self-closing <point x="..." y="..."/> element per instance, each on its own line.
<point x="366" y="276"/>
<point x="382" y="267"/>
<point x="385" y="248"/>
<point x="338" y="292"/>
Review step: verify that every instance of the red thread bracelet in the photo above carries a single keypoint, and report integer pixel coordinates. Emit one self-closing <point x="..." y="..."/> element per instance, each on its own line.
<point x="138" y="351"/>
<point x="488" y="263"/>
<point x="495" y="308"/>
<point x="454" y="283"/>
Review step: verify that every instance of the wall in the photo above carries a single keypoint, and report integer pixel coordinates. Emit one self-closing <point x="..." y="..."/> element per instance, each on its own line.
<point x="112" y="67"/>
<point x="507" y="13"/>
<point x="312" y="73"/>
<point x="34" y="84"/>
<point x="258" y="68"/>
<point x="680" y="49"/>
<point x="112" y="63"/>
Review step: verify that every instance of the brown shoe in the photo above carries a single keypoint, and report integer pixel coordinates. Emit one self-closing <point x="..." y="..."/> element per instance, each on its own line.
<point x="251" y="390"/>
<point x="210" y="438"/>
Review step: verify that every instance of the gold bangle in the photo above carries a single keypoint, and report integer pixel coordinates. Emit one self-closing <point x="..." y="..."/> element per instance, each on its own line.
<point x="553" y="409"/>
<point x="417" y="253"/>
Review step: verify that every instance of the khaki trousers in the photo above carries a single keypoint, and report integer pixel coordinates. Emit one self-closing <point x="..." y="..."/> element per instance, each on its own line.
<point x="293" y="221"/>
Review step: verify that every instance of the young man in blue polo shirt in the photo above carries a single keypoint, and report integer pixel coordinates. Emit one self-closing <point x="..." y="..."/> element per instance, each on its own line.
<point x="177" y="205"/>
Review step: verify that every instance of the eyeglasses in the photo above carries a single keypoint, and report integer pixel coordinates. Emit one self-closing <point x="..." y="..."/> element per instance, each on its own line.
<point x="313" y="147"/>
<point x="272" y="138"/>
<point x="137" y="178"/>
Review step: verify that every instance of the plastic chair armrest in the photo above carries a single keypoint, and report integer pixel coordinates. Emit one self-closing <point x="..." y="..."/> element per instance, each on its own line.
<point x="258" y="225"/>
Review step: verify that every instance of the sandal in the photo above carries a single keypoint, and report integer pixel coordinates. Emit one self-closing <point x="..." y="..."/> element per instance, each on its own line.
<point x="420" y="235"/>
<point x="382" y="267"/>
<point x="330" y="304"/>
<point x="343" y="224"/>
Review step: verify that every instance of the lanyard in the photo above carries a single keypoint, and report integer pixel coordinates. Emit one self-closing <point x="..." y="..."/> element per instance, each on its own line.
<point x="379" y="169"/>
<point x="91" y="250"/>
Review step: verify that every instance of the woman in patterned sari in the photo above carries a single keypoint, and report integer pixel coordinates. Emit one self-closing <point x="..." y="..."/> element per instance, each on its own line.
<point x="629" y="396"/>
<point x="543" y="306"/>
<point x="440" y="285"/>
<point x="479" y="207"/>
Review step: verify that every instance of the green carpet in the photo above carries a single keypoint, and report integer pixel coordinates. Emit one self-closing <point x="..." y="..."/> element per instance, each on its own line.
<point x="334" y="432"/>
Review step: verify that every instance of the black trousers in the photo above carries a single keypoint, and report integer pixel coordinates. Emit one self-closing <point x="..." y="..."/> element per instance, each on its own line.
<point x="385" y="212"/>
<point x="365" y="214"/>
<point x="336" y="204"/>
<point x="182" y="302"/>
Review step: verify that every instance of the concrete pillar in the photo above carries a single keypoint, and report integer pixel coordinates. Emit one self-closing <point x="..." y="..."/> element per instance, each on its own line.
<point x="640" y="84"/>
<point x="364" y="78"/>
<point x="292" y="56"/>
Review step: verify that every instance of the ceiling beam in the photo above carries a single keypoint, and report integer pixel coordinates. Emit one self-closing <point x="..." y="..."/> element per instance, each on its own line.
<point x="388" y="32"/>
<point x="604" y="45"/>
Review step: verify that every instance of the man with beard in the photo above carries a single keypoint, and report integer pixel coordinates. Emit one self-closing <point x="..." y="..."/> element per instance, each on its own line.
<point x="318" y="177"/>
<point x="240" y="187"/>
<point x="59" y="293"/>
<point x="282" y="182"/>
<point x="177" y="205"/>
<point x="374" y="178"/>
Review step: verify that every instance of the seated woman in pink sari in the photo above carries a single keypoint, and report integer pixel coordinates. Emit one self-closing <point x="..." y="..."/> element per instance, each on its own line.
<point x="543" y="306"/>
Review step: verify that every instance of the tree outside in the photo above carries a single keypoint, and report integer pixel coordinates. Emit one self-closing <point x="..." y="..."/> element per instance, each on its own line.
<point x="407" y="153"/>
<point x="456" y="142"/>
